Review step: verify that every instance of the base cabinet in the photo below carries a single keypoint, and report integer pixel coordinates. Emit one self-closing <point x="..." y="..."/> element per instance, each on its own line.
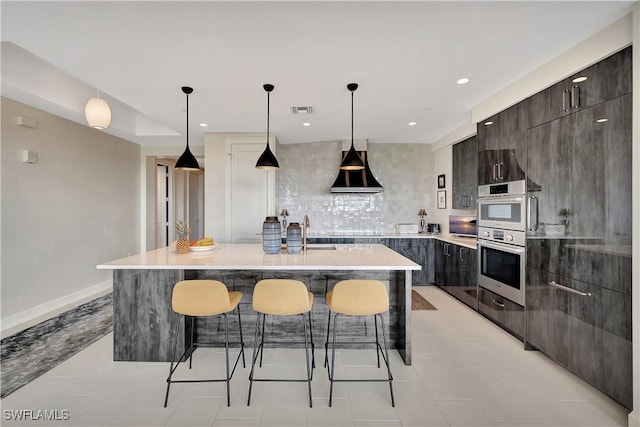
<point x="583" y="327"/>
<point x="506" y="313"/>
<point x="455" y="271"/>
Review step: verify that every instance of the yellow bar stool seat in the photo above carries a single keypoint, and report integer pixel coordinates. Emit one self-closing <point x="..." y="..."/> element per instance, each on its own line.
<point x="356" y="297"/>
<point x="282" y="297"/>
<point x="201" y="298"/>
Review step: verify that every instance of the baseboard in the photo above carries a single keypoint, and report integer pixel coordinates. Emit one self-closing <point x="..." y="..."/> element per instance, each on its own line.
<point x="34" y="315"/>
<point x="634" y="419"/>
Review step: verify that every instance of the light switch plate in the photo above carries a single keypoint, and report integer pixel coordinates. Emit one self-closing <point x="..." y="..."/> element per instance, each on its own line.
<point x="29" y="156"/>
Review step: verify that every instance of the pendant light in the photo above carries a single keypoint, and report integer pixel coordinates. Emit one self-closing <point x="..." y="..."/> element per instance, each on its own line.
<point x="267" y="160"/>
<point x="187" y="161"/>
<point x="97" y="113"/>
<point x="352" y="161"/>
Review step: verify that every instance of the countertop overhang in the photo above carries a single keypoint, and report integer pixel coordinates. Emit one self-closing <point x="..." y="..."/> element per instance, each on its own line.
<point x="251" y="257"/>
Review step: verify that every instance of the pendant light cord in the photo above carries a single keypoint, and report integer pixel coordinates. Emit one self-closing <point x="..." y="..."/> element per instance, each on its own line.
<point x="268" y="95"/>
<point x="352" y="120"/>
<point x="187" y="121"/>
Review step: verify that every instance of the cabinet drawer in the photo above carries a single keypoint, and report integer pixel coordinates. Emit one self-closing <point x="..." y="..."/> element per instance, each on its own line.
<point x="506" y="313"/>
<point x="584" y="327"/>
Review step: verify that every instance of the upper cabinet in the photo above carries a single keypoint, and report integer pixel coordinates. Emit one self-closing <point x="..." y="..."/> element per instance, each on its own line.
<point x="465" y="170"/>
<point x="603" y="81"/>
<point x="501" y="146"/>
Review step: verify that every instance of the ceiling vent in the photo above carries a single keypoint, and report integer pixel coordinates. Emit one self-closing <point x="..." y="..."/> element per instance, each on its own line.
<point x="302" y="110"/>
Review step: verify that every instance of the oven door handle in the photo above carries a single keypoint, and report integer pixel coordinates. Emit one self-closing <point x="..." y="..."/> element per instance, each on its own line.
<point x="501" y="247"/>
<point x="530" y="216"/>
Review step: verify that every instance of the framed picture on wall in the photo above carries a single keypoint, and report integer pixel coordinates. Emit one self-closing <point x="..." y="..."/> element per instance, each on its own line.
<point x="441" y="183"/>
<point x="442" y="199"/>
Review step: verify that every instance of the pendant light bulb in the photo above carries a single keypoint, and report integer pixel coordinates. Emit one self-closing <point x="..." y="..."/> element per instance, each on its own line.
<point x="267" y="159"/>
<point x="97" y="113"/>
<point x="352" y="161"/>
<point x="187" y="161"/>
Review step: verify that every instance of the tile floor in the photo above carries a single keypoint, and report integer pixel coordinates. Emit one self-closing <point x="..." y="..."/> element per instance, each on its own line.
<point x="465" y="372"/>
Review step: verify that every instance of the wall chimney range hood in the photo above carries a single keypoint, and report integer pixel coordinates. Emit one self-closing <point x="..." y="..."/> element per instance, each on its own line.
<point x="357" y="181"/>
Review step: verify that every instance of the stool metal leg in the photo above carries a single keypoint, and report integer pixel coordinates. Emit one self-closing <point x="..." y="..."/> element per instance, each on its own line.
<point x="387" y="360"/>
<point x="173" y="358"/>
<point x="193" y="320"/>
<point x="326" y="343"/>
<point x="375" y="325"/>
<point x="262" y="340"/>
<point x="333" y="359"/>
<point x="244" y="365"/>
<point x="306" y="353"/>
<point x="254" y="357"/>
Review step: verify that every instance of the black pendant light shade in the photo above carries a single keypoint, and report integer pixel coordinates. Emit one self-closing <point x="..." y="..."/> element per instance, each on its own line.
<point x="352" y="161"/>
<point x="187" y="161"/>
<point x="267" y="160"/>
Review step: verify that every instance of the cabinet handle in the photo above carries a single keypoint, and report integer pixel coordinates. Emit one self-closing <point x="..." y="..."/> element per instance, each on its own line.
<point x="499" y="304"/>
<point x="532" y="199"/>
<point x="494" y="172"/>
<point x="570" y="290"/>
<point x="500" y="171"/>
<point x="566" y="94"/>
<point x="446" y="249"/>
<point x="575" y="96"/>
<point x="460" y="255"/>
<point x="466" y="201"/>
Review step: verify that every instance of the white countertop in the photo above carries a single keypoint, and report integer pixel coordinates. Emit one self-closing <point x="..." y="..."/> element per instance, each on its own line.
<point x="251" y="257"/>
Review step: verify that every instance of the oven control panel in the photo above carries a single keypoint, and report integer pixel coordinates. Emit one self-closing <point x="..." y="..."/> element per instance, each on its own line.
<point x="512" y="237"/>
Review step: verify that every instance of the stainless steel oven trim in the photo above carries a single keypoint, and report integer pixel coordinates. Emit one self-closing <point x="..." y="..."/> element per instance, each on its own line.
<point x="515" y="295"/>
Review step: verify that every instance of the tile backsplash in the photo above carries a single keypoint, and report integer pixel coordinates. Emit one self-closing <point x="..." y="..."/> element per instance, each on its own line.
<point x="308" y="170"/>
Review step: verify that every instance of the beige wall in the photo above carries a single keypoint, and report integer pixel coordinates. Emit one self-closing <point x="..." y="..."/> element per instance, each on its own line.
<point x="77" y="207"/>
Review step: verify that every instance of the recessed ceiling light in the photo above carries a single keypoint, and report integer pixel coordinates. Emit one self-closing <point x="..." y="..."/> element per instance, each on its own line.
<point x="204" y="125"/>
<point x="306" y="124"/>
<point x="412" y="123"/>
<point x="579" y="79"/>
<point x="489" y="123"/>
<point x="463" y="81"/>
<point x="602" y="120"/>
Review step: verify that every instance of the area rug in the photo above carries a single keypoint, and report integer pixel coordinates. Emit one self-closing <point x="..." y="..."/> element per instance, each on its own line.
<point x="32" y="352"/>
<point x="418" y="302"/>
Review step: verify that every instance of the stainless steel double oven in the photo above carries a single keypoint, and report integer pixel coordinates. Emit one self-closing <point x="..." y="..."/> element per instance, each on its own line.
<point x="502" y="225"/>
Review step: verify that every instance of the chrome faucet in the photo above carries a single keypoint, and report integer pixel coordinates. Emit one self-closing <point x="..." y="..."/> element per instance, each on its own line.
<point x="305" y="225"/>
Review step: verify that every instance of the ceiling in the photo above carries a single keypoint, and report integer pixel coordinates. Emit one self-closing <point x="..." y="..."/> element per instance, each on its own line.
<point x="406" y="57"/>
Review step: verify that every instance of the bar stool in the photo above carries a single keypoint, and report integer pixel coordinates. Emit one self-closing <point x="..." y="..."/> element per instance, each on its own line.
<point x="199" y="298"/>
<point x="358" y="298"/>
<point x="282" y="297"/>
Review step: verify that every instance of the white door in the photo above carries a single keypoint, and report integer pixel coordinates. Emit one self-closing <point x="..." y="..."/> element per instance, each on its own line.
<point x="250" y="195"/>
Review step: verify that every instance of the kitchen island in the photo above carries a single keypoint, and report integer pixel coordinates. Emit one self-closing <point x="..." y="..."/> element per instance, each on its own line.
<point x="144" y="324"/>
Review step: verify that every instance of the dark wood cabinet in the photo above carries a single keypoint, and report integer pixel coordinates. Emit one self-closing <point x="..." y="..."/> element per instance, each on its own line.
<point x="585" y="328"/>
<point x="502" y="146"/>
<point x="456" y="271"/>
<point x="578" y="282"/>
<point x="504" y="312"/>
<point x="601" y="82"/>
<point x="465" y="174"/>
<point x="418" y="250"/>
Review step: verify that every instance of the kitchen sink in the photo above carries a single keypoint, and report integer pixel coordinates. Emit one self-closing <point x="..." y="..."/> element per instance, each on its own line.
<point x="321" y="247"/>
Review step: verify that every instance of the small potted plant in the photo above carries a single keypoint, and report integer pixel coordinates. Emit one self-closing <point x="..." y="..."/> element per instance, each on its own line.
<point x="182" y="234"/>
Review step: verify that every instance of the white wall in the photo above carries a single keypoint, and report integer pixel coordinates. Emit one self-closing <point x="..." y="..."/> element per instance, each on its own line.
<point x="215" y="179"/>
<point x="77" y="207"/>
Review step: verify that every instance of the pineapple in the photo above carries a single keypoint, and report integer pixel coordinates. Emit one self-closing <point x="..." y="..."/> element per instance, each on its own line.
<point x="182" y="234"/>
